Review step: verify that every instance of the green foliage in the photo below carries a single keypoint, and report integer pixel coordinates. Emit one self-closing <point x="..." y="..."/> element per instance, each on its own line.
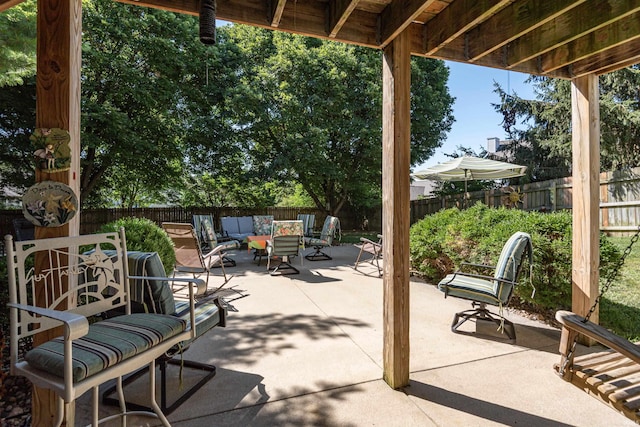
<point x="144" y="235"/>
<point x="18" y="43"/>
<point x="164" y="115"/>
<point x="293" y="196"/>
<point x="543" y="126"/>
<point x="17" y="117"/>
<point x="310" y="112"/>
<point x="440" y="242"/>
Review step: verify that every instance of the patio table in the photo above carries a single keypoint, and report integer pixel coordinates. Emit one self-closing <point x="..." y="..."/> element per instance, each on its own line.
<point x="259" y="245"/>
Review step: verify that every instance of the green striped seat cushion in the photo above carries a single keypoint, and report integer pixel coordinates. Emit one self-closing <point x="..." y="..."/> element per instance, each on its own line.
<point x="107" y="343"/>
<point x="472" y="288"/>
<point x="312" y="241"/>
<point x="207" y="314"/>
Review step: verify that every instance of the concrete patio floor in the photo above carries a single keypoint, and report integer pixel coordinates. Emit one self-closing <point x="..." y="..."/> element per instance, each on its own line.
<point x="306" y="350"/>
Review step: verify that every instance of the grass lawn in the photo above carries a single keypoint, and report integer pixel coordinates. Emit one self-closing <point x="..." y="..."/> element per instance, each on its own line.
<point x="350" y="237"/>
<point x="620" y="307"/>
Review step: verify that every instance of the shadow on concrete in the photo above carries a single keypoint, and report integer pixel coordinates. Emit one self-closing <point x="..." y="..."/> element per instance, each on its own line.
<point x="480" y="408"/>
<point x="261" y="335"/>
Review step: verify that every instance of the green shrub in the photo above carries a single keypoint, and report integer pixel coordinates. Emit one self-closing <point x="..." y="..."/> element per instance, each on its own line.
<point x="144" y="235"/>
<point x="440" y="242"/>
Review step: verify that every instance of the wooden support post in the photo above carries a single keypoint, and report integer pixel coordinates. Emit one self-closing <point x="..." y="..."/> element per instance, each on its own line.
<point x="58" y="106"/>
<point x="585" y="118"/>
<point x="396" y="76"/>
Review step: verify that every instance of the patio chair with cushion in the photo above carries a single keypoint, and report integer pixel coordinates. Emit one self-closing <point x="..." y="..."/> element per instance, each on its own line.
<point x="372" y="252"/>
<point x="286" y="240"/>
<point x="189" y="256"/>
<point x="330" y="230"/>
<point x="152" y="293"/>
<point x="209" y="239"/>
<point x="60" y="295"/>
<point x="262" y="224"/>
<point x="308" y="222"/>
<point x="484" y="289"/>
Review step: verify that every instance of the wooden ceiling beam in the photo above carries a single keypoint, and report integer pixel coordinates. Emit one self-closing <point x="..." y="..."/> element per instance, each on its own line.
<point x="512" y="22"/>
<point x="610" y="60"/>
<point x="6" y="4"/>
<point x="397" y="16"/>
<point x="454" y="52"/>
<point x="339" y="12"/>
<point x="308" y="19"/>
<point x="622" y="31"/>
<point x="456" y="19"/>
<point x="277" y="9"/>
<point x="189" y="7"/>
<point x="576" y="23"/>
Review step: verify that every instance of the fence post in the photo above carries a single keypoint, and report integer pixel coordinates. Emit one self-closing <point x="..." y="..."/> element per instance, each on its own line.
<point x="553" y="195"/>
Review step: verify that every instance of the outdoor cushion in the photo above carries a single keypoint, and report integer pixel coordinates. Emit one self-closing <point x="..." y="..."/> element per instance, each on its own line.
<point x="149" y="264"/>
<point x="262" y="224"/>
<point x="230" y="225"/>
<point x="140" y="263"/>
<point x="472" y="288"/>
<point x="238" y="227"/>
<point x="245" y="224"/>
<point x="494" y="291"/>
<point x="107" y="343"/>
<point x="207" y="314"/>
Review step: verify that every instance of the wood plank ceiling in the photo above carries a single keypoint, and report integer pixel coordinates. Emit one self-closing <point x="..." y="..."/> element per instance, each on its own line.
<point x="559" y="38"/>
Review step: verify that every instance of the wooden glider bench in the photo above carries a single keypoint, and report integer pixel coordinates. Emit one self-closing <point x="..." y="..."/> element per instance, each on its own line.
<point x="151" y="292"/>
<point x="612" y="376"/>
<point x="59" y="289"/>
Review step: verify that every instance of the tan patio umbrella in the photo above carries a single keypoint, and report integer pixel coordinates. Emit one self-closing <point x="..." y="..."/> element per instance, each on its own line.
<point x="468" y="167"/>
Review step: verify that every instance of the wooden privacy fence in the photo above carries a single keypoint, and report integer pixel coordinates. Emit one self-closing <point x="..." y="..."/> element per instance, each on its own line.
<point x="619" y="206"/>
<point x="92" y="219"/>
<point x="619" y="199"/>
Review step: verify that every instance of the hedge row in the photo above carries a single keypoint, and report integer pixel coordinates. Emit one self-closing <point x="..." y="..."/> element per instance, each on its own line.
<point x="440" y="242"/>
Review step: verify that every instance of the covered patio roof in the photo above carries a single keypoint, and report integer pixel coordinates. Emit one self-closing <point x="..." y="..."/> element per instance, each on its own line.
<point x="559" y="38"/>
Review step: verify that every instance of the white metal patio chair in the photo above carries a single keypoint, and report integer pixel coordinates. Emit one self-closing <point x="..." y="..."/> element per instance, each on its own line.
<point x="54" y="292"/>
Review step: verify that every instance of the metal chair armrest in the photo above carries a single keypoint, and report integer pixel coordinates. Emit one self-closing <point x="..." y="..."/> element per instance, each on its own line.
<point x="75" y="325"/>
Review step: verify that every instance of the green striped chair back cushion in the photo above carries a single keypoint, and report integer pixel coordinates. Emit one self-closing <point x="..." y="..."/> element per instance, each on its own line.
<point x="207" y="314"/>
<point x="107" y="343"/>
<point x="509" y="262"/>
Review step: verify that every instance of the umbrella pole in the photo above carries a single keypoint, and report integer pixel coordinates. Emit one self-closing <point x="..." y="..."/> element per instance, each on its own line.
<point x="464" y="201"/>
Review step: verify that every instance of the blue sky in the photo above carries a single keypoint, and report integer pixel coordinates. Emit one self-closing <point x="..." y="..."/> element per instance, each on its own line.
<point x="475" y="118"/>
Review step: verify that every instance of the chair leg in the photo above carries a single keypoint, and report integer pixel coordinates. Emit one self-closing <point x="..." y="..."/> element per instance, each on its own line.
<point x="61" y="406"/>
<point x="94" y="403"/>
<point x="152" y="394"/>
<point x="481" y="313"/>
<point x="355" y="267"/>
<point x="224" y="273"/>
<point x="284" y="268"/>
<point x="165" y="406"/>
<point x="318" y="255"/>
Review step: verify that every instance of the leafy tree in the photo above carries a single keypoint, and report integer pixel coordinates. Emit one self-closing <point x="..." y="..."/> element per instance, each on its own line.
<point x="542" y="127"/>
<point x="132" y="59"/>
<point x="310" y="112"/>
<point x="18" y="43"/>
<point x="17" y="93"/>
<point x="17" y="116"/>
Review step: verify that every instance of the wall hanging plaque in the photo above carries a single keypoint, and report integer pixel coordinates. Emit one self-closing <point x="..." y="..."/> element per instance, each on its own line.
<point x="52" y="153"/>
<point x="49" y="204"/>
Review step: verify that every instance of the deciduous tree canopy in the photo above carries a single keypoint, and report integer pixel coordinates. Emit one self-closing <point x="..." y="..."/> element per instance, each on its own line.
<point x="165" y="117"/>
